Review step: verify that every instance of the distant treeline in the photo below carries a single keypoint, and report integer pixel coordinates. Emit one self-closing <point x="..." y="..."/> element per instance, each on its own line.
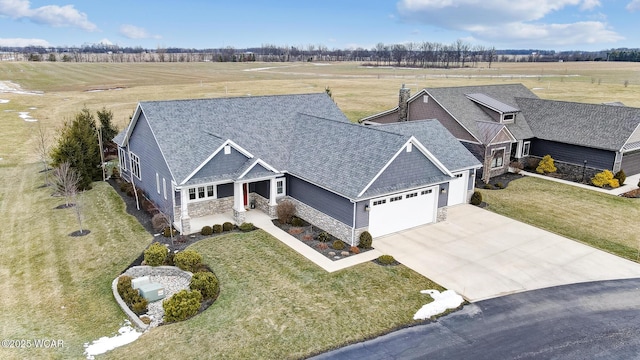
<point x="412" y="54"/>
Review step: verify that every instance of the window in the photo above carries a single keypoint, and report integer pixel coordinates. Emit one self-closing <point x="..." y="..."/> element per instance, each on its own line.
<point x="508" y="118"/>
<point x="409" y="147"/>
<point x="201" y="192"/>
<point x="497" y="159"/>
<point x="425" y="99"/>
<point x="123" y="159"/>
<point x="135" y="165"/>
<point x="425" y="192"/>
<point x="164" y="188"/>
<point x="280" y="187"/>
<point x="395" y="198"/>
<point x="379" y="202"/>
<point x="227" y="149"/>
<point x="158" y="183"/>
<point x="408" y="196"/>
<point x="525" y="148"/>
<point x="192" y="194"/>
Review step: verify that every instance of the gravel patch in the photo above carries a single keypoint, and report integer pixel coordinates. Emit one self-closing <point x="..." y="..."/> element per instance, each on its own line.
<point x="172" y="284"/>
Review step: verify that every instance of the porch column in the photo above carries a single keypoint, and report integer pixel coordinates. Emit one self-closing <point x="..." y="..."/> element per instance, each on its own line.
<point x="272" y="192"/>
<point x="238" y="203"/>
<point x="185" y="220"/>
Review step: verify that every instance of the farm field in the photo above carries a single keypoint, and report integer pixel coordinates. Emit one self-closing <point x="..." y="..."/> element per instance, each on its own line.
<point x="58" y="287"/>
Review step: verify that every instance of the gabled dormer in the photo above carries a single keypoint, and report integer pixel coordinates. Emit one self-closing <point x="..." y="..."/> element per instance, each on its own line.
<point x="499" y="111"/>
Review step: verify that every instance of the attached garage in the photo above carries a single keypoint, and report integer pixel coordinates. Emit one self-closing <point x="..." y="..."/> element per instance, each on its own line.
<point x="631" y="163"/>
<point x="458" y="189"/>
<point x="402" y="211"/>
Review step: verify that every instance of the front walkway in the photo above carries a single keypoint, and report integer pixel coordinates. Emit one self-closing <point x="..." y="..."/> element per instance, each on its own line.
<point x="631" y="183"/>
<point x="263" y="221"/>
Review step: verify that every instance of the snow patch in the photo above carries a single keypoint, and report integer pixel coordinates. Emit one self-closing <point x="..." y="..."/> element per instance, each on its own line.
<point x="24" y="115"/>
<point x="4" y="101"/>
<point x="127" y="335"/>
<point x="448" y="299"/>
<point x="13" y="88"/>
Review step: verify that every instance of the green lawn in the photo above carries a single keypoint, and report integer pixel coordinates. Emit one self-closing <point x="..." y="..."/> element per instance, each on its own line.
<point x="603" y="221"/>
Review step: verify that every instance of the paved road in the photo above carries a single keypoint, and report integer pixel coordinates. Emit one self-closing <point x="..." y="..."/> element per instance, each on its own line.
<point x="598" y="320"/>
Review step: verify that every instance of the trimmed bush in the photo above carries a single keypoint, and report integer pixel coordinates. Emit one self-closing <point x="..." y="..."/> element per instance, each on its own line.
<point x="386" y="259"/>
<point x="546" y="165"/>
<point x="285" y="211"/>
<point x="206" y="283"/>
<point x="488" y="186"/>
<point x="499" y="185"/>
<point x="217" y="228"/>
<point x="621" y="176"/>
<point x="124" y="282"/>
<point x="296" y="221"/>
<point x="227" y="226"/>
<point x="159" y="221"/>
<point x="206" y="230"/>
<point x="188" y="260"/>
<point x="338" y="245"/>
<point x="246" y="227"/>
<point x="476" y="198"/>
<point x="155" y="254"/>
<point x="355" y="249"/>
<point x="605" y="178"/>
<point x="139" y="307"/>
<point x="181" y="306"/>
<point x="365" y="240"/>
<point x="324" y="236"/>
<point x="130" y="296"/>
<point x="169" y="231"/>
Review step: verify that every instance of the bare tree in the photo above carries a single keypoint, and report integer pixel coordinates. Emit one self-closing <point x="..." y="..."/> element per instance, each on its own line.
<point x="66" y="181"/>
<point x="42" y="148"/>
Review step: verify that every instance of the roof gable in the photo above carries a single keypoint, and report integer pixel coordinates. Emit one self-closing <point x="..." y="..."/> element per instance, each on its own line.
<point x="491" y="103"/>
<point x="224" y="161"/>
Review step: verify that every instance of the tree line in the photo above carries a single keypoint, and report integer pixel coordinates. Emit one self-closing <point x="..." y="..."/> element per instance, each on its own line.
<point x="411" y="54"/>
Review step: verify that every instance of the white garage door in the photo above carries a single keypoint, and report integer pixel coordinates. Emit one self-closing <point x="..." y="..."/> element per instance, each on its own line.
<point x="402" y="211"/>
<point x="458" y="189"/>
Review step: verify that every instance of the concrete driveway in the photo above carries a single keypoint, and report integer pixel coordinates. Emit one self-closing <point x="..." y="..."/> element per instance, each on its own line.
<point x="482" y="255"/>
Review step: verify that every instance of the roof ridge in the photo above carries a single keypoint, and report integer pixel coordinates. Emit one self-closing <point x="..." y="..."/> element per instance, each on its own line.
<point x="229" y="97"/>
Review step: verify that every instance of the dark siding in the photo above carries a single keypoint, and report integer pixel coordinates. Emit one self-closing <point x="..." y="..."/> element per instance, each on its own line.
<point x="362" y="216"/>
<point x="388" y="118"/>
<point x="322" y="200"/>
<point x="143" y="144"/>
<point x="222" y="164"/>
<point x="408" y="168"/>
<point x="443" y="197"/>
<point x="631" y="163"/>
<point x="573" y="154"/>
<point x="262" y="188"/>
<point x="258" y="171"/>
<point x="225" y="190"/>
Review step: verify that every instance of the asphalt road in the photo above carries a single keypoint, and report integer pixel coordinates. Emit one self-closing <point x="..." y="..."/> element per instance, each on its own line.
<point x="596" y="320"/>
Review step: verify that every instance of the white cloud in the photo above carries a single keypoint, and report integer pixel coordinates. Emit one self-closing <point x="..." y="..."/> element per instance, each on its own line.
<point x="18" y="42"/>
<point x="509" y="21"/>
<point x="52" y="15"/>
<point x="135" y="32"/>
<point x="105" y="41"/>
<point x="634" y="5"/>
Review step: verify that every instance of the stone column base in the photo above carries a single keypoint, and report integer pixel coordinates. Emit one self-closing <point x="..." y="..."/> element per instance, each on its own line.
<point x="239" y="216"/>
<point x="185" y="222"/>
<point x="442" y="214"/>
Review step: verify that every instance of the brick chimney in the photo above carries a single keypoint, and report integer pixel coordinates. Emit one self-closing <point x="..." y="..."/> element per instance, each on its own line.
<point x="403" y="103"/>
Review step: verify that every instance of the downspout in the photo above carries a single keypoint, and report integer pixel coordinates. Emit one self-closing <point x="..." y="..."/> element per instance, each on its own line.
<point x="353" y="224"/>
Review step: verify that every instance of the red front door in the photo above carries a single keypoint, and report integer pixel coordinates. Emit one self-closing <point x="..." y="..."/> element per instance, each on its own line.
<point x="244" y="193"/>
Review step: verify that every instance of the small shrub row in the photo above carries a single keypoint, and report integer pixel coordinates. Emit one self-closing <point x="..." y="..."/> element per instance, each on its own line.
<point x="246" y="227"/>
<point x="130" y="296"/>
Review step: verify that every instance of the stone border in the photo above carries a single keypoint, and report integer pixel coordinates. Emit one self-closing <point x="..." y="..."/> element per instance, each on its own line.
<point x="138" y="271"/>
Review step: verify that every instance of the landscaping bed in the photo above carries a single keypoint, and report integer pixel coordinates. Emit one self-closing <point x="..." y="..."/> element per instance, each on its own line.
<point x="497" y="182"/>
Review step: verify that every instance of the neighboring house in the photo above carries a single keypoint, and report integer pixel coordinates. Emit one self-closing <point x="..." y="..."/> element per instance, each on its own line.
<point x="498" y="123"/>
<point x="195" y="158"/>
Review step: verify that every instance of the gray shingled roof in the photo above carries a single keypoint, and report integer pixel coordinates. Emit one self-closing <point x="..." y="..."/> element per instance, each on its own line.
<point x="597" y="126"/>
<point x="455" y="100"/>
<point x="305" y="135"/>
<point x="438" y="140"/>
<point x="490" y="102"/>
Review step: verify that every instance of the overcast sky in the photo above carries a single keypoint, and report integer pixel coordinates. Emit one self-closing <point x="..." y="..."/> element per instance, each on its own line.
<point x="514" y="24"/>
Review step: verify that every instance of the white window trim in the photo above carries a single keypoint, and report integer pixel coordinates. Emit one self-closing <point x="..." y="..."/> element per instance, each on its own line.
<point x="526" y="146"/>
<point x="493" y="151"/>
<point x="135" y="160"/>
<point x="284" y="187"/>
<point x="158" y="183"/>
<point x="206" y="196"/>
<point x="122" y="156"/>
<point x="508" y="121"/>
<point x="164" y="188"/>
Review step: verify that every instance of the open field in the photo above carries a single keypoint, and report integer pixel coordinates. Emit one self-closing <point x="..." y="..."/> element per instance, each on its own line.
<point x="57" y="287"/>
<point x="601" y="220"/>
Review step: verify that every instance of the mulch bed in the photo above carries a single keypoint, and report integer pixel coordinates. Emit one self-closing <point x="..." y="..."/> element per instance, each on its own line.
<point x="78" y="233"/>
<point x="308" y="234"/>
<point x="498" y="182"/>
<point x="634" y="194"/>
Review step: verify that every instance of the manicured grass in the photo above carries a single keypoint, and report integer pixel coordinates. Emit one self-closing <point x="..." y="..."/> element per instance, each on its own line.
<point x="603" y="221"/>
<point x="275" y="304"/>
<point x="55" y="286"/>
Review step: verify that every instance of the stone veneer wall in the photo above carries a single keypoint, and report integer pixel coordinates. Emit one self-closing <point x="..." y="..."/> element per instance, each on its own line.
<point x="442" y="214"/>
<point x="210" y="207"/>
<point x="334" y="227"/>
<point x="262" y="204"/>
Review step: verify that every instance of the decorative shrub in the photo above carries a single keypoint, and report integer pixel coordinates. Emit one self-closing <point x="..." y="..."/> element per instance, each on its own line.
<point x="206" y="283"/>
<point x="621" y="176"/>
<point x="246" y="227"/>
<point x="168" y="261"/>
<point x="115" y="173"/>
<point x="322" y="246"/>
<point x="206" y="230"/>
<point x="227" y="226"/>
<point x="338" y="245"/>
<point x="130" y="296"/>
<point x="169" y="231"/>
<point x="126" y="187"/>
<point x="386" y="259"/>
<point x="285" y="211"/>
<point x="296" y="221"/>
<point x="155" y="254"/>
<point x="488" y="186"/>
<point x="187" y="260"/>
<point x="307" y="237"/>
<point x="605" y="178"/>
<point x="217" y="228"/>
<point x="355" y="249"/>
<point x="365" y="240"/>
<point x="159" y="221"/>
<point x="296" y="231"/>
<point x="181" y="306"/>
<point x="139" y="307"/>
<point x="324" y="236"/>
<point x="476" y="198"/>
<point x="124" y="282"/>
<point x="499" y="185"/>
<point x="546" y="165"/>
